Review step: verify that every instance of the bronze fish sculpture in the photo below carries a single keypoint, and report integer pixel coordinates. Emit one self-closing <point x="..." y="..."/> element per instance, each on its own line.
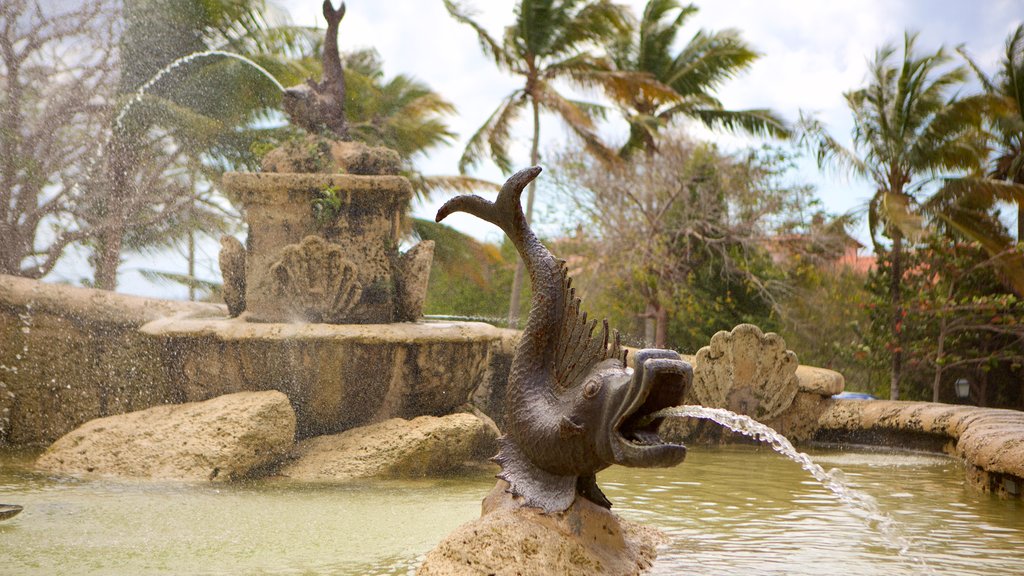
<point x="572" y="405"/>
<point x="319" y="107"/>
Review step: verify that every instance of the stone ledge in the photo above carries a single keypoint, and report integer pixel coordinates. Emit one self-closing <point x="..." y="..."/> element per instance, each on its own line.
<point x="226" y="438"/>
<point x="397" y="333"/>
<point x="269" y="188"/>
<point x="820" y="381"/>
<point x="96" y="306"/>
<point x="425" y="446"/>
<point x="989" y="440"/>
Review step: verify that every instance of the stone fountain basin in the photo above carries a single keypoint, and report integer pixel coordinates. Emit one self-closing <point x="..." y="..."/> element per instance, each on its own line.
<point x="336" y="376"/>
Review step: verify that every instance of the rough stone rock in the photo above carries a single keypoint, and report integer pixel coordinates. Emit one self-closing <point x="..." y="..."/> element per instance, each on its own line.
<point x="413" y="274"/>
<point x="358" y="158"/>
<point x="316" y="154"/>
<point x="225" y="438"/>
<point x="820" y="381"/>
<point x="508" y="539"/>
<point x="990" y="441"/>
<point x="746" y="371"/>
<point x="424" y="446"/>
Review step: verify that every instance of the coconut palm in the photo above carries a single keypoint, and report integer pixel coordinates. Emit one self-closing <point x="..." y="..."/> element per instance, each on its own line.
<point x="546" y="42"/>
<point x="907" y="131"/>
<point x="1005" y="92"/>
<point x="693" y="73"/>
<point x="404" y="114"/>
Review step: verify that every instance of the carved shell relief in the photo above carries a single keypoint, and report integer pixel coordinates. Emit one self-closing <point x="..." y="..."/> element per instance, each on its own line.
<point x="315" y="281"/>
<point x="746" y="371"/>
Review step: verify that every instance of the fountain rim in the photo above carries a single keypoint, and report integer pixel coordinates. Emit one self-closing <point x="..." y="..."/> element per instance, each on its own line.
<point x="403" y="333"/>
<point x="280" y="187"/>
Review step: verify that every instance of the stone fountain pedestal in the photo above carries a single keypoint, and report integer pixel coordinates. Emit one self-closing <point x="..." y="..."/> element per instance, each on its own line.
<point x="331" y="306"/>
<point x="342" y="269"/>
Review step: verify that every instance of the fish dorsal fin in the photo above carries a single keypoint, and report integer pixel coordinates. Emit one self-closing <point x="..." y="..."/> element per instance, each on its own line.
<point x="576" y="347"/>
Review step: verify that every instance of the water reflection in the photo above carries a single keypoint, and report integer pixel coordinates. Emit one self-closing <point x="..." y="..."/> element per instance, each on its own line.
<point x="742" y="510"/>
<point x="732" y="510"/>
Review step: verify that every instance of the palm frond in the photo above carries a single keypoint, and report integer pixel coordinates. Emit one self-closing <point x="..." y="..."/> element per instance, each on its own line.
<point x="827" y="150"/>
<point x="488" y="45"/>
<point x="760" y="122"/>
<point x="429" y="185"/>
<point x="492" y="138"/>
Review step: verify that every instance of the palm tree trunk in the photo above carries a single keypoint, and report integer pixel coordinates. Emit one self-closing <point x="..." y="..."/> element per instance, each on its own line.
<point x="896" y="299"/>
<point x="1020" y="223"/>
<point x="113" y="216"/>
<point x="661" y="331"/>
<point x="937" y="381"/>
<point x="517" y="280"/>
<point x="191" y="266"/>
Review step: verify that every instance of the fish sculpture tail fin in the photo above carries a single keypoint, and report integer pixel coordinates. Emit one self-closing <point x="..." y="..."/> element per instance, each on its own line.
<point x="506" y="212"/>
<point x="333" y="16"/>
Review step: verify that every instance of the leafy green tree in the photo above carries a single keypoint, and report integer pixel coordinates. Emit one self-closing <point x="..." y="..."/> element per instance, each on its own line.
<point x="547" y="41"/>
<point x="908" y="127"/>
<point x="691" y="73"/>
<point x="827" y="319"/>
<point x="959" y="322"/>
<point x="676" y="239"/>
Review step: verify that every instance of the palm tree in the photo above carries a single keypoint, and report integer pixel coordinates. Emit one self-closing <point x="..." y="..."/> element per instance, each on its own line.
<point x="692" y="74"/>
<point x="1007" y="117"/>
<point x="404" y="114"/>
<point x="1005" y="92"/>
<point x="907" y="130"/>
<point x="546" y="42"/>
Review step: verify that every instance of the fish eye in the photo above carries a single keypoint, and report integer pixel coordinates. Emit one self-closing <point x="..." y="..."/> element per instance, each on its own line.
<point x="591" y="388"/>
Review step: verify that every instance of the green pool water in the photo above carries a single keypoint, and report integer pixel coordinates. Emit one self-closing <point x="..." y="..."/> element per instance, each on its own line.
<point x="733" y="510"/>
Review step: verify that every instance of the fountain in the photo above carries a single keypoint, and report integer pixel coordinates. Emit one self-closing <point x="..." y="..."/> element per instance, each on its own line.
<point x="324" y="306"/>
<point x="323" y="320"/>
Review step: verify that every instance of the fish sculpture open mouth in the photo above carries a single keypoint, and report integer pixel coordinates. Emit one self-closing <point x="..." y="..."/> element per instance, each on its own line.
<point x="659" y="382"/>
<point x="572" y="406"/>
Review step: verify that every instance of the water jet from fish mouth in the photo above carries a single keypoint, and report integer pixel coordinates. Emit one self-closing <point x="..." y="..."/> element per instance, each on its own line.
<point x="833" y="479"/>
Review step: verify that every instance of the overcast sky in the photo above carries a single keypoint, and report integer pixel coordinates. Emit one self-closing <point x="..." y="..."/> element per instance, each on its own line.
<point x="813" y="51"/>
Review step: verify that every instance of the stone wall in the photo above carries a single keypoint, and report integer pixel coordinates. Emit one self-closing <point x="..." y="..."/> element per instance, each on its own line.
<point x="68" y="355"/>
<point x="337" y="376"/>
